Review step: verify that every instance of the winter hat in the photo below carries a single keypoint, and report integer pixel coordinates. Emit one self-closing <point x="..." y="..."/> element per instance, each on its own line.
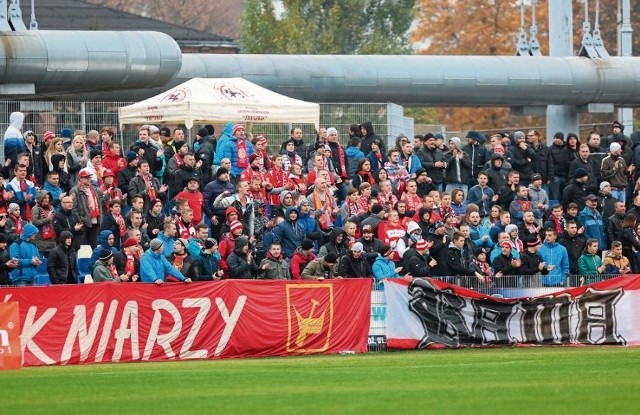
<point x="203" y="132"/>
<point x="209" y="243"/>
<point x="94" y="153"/>
<point x="422" y="245"/>
<point x="357" y="247"/>
<point x="155" y="244"/>
<point x="108" y="173"/>
<point x="376" y="208"/>
<point x="386" y="250"/>
<point x="614" y="147"/>
<point x="617" y="124"/>
<point x="456" y="141"/>
<point x="481" y="139"/>
<point x="510" y="228"/>
<point x="221" y="171"/>
<point x="534" y="242"/>
<point x="559" y="135"/>
<point x="178" y="144"/>
<point x="235" y="226"/>
<point x="479" y="251"/>
<point x="165" y="132"/>
<point x="252" y="157"/>
<point x="498" y="147"/>
<point x="236" y="128"/>
<point x="506" y="244"/>
<point x="331" y="258"/>
<point x="519" y="135"/>
<point x="331" y="130"/>
<point x="261" y="139"/>
<point x="130" y="242"/>
<point x="536" y="176"/>
<point x="131" y="155"/>
<point x="48" y="136"/>
<point x="580" y="173"/>
<point x="307" y="244"/>
<point x="367" y="228"/>
<point x="12" y="207"/>
<point x="603" y="185"/>
<point x="105" y="255"/>
<point x="153" y="129"/>
<point x="438" y="136"/>
<point x="66" y="133"/>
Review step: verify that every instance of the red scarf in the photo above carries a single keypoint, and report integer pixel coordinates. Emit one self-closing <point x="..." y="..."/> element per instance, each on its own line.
<point x="19" y="224"/>
<point x="343" y="163"/>
<point x="367" y="177"/>
<point x="185" y="231"/>
<point x="353" y="208"/>
<point x="112" y="269"/>
<point x="92" y="200"/>
<point x="178" y="261"/>
<point x="130" y="266"/>
<point x="243" y="160"/>
<point x="413" y="201"/>
<point x="27" y="205"/>
<point x="46" y="230"/>
<point x="151" y="191"/>
<point x="179" y="160"/>
<point x="121" y="225"/>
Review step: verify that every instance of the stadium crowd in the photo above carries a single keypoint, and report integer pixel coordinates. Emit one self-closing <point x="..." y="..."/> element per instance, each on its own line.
<point x="227" y="207"/>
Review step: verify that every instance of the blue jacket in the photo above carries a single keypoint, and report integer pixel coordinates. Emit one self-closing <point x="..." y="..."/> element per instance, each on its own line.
<point x="354" y="154"/>
<point x="311" y="228"/>
<point x="476" y="234"/>
<point x="229" y="149"/>
<point x="375" y="164"/>
<point x="289" y="234"/>
<point x="593" y="226"/>
<point x="13" y="139"/>
<point x="475" y="196"/>
<point x="55" y="191"/>
<point x="383" y="268"/>
<point x="414" y="163"/>
<point x="19" y="195"/>
<point x="167" y="243"/>
<point x="156" y="267"/>
<point x="557" y="255"/>
<point x="224" y="136"/>
<point x="102" y="244"/>
<point x="24" y="251"/>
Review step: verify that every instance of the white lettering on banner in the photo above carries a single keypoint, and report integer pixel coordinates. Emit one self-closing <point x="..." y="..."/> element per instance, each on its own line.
<point x="4" y="339"/>
<point x="79" y="329"/>
<point x="126" y="331"/>
<point x="106" y="331"/>
<point x="204" y="304"/>
<point x="229" y="320"/>
<point x="7" y="298"/>
<point x="163" y="340"/>
<point x="31" y="329"/>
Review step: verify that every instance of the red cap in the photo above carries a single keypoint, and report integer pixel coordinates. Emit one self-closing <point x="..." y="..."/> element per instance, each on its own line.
<point x="84" y="173"/>
<point x="506" y="244"/>
<point x="130" y="242"/>
<point x="108" y="173"/>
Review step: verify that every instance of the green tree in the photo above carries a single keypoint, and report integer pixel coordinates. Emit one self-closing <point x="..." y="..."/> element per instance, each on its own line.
<point x="326" y="26"/>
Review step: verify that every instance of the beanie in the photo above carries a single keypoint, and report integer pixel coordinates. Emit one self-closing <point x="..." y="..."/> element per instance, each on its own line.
<point x="331" y="258"/>
<point x="376" y="208"/>
<point x="130" y="242"/>
<point x="580" y="173"/>
<point x="155" y="244"/>
<point x="456" y="141"/>
<point x="94" y="153"/>
<point x="48" y="136"/>
<point x="202" y="132"/>
<point x="131" y="155"/>
<point x="474" y="135"/>
<point x="235" y="226"/>
<point x="307" y="244"/>
<point x="66" y="133"/>
<point x="178" y="144"/>
<point x="236" y="128"/>
<point x="614" y="147"/>
<point x="221" y="171"/>
<point x="210" y="129"/>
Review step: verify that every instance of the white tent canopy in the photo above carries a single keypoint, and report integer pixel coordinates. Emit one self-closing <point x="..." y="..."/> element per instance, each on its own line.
<point x="219" y="100"/>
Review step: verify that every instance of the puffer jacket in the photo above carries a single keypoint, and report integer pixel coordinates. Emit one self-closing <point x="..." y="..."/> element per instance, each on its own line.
<point x="24" y="251"/>
<point x="63" y="262"/>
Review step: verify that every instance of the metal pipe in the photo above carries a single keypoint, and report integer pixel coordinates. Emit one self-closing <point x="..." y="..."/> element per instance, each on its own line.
<point x="66" y="61"/>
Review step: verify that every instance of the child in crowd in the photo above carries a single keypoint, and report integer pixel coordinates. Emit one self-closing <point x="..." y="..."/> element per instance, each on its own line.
<point x="615" y="262"/>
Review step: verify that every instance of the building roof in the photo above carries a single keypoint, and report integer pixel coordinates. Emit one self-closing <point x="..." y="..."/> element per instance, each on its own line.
<point x="80" y="15"/>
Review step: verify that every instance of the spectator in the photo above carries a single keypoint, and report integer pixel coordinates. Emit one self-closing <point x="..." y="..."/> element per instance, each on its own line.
<point x="14" y="224"/>
<point x="522" y="158"/>
<point x="614" y="222"/>
<point x="537" y="195"/>
<point x="28" y="257"/>
<point x="88" y="204"/>
<point x="606" y="201"/>
<point x="574" y="243"/>
<point x="543" y="163"/>
<point x="482" y="195"/>
<point x="146" y="185"/>
<point x="590" y="262"/>
<point x="240" y="263"/>
<point x="106" y="241"/>
<point x="128" y="173"/>
<point x="477" y="153"/>
<point x="182" y="261"/>
<point x="458" y="259"/>
<point x="274" y="266"/>
<point x="592" y="221"/>
<point x="289" y="233"/>
<point x="591" y="168"/>
<point x="301" y="258"/>
<point x="353" y="264"/>
<point x="24" y="191"/>
<point x="531" y="265"/>
<point x="556" y="258"/>
<point x="630" y="241"/>
<point x="321" y="268"/>
<point x="507" y="193"/>
<point x="481" y="267"/>
<point x="147" y="150"/>
<point x="557" y="157"/>
<point x="105" y="270"/>
<point x="127" y="261"/>
<point x="384" y="267"/>
<point x="154" y="267"/>
<point x="63" y="261"/>
<point x="614" y="262"/>
<point x="237" y="149"/>
<point x="576" y="191"/>
<point x="457" y="167"/>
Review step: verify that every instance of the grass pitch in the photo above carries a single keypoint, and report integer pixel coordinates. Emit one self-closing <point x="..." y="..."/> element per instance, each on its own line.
<point x="540" y="380"/>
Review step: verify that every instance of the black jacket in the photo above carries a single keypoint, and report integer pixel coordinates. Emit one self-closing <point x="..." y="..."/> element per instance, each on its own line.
<point x="124" y="177"/>
<point x="67" y="220"/>
<point x="62" y="264"/>
<point x="502" y="264"/>
<point x="575" y="247"/>
<point x="428" y="158"/>
<point x="558" y="156"/>
<point x="530" y="264"/>
<point x="190" y="267"/>
<point x="415" y="264"/>
<point x="575" y="192"/>
<point x="458" y="263"/>
<point x="350" y="267"/>
<point x="519" y="162"/>
<point x="543" y="164"/>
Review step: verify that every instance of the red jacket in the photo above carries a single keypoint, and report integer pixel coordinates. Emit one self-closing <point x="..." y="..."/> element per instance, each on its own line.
<point x="298" y="262"/>
<point x="195" y="201"/>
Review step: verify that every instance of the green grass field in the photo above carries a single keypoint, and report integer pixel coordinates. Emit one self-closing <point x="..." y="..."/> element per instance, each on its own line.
<point x="540" y="380"/>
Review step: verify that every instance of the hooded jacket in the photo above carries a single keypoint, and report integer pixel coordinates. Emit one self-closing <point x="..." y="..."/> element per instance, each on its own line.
<point x="575" y="246"/>
<point x="239" y="267"/>
<point x="383" y="268"/>
<point x="13" y="139"/>
<point x="416" y="264"/>
<point x="339" y="249"/>
<point x="299" y="263"/>
<point x="63" y="262"/>
<point x="352" y="267"/>
<point x="289" y="234"/>
<point x="103" y="243"/>
<point x="229" y="149"/>
<point x="24" y="251"/>
<point x="593" y="225"/>
<point x="368" y="139"/>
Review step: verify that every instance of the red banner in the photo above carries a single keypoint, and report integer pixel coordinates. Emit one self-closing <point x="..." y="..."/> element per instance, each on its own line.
<point x="10" y="352"/>
<point x="427" y="313"/>
<point x="130" y="322"/>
